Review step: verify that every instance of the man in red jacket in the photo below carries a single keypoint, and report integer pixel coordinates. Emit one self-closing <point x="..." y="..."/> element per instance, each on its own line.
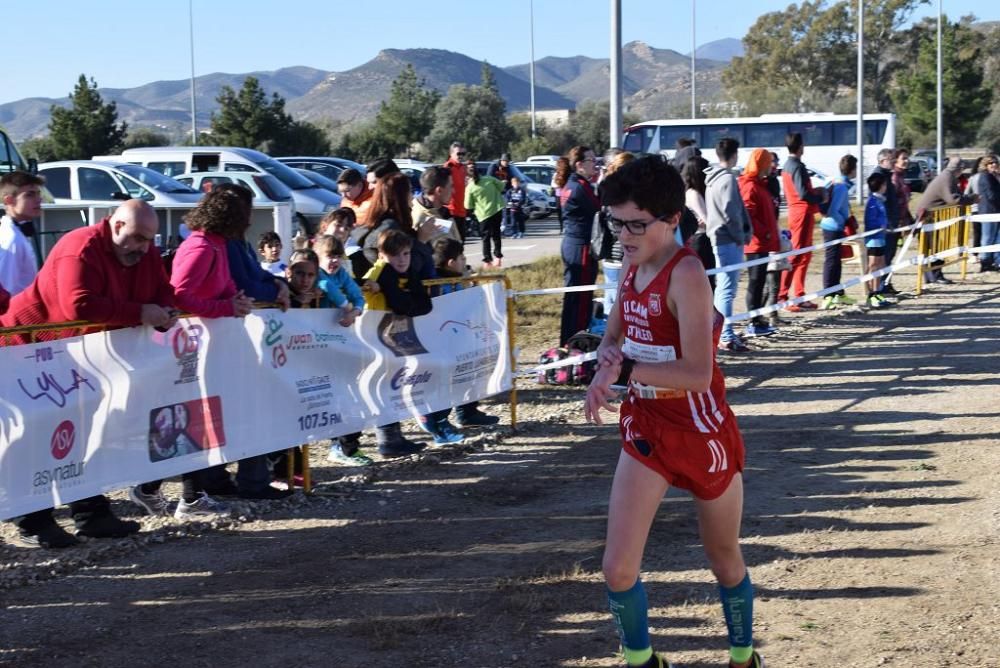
<point x="456" y="163"/>
<point x="108" y="274"/>
<point x="803" y="205"/>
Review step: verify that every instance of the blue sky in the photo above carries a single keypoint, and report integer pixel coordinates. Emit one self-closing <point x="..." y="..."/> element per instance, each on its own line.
<point x="126" y="43"/>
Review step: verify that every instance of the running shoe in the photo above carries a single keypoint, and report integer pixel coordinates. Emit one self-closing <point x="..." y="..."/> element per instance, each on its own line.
<point x="153" y="504"/>
<point x="829" y="303"/>
<point x="756" y="661"/>
<point x="203" y="506"/>
<point x="734" y="345"/>
<point x="446" y="434"/>
<point x="337" y="456"/>
<point x="753" y="330"/>
<point x="875" y="302"/>
<point x="844" y="300"/>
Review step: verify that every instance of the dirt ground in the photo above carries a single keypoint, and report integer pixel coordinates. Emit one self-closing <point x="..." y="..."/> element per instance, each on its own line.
<point x="870" y="529"/>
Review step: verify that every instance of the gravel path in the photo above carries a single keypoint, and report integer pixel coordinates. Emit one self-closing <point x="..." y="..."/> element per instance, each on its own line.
<point x="870" y="528"/>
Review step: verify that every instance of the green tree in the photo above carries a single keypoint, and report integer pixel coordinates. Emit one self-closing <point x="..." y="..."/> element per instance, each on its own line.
<point x="40" y="148"/>
<point x="473" y="115"/>
<point x="88" y="127"/>
<point x="966" y="101"/>
<point x="591" y="126"/>
<point x="247" y="118"/>
<point x="408" y="115"/>
<point x="804" y="57"/>
<point x="140" y="137"/>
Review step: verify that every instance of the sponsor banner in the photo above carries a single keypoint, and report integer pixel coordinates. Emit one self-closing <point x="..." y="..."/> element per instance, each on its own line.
<point x="90" y="414"/>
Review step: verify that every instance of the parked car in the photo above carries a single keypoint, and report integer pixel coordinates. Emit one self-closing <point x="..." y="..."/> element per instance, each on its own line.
<point x="544" y="159"/>
<point x="916" y="177"/>
<point x="97" y="181"/>
<point x="927" y="165"/>
<point x="928" y="157"/>
<point x="319" y="179"/>
<point x="328" y="167"/>
<point x="311" y="201"/>
<point x="540" y="195"/>
<point x="266" y="188"/>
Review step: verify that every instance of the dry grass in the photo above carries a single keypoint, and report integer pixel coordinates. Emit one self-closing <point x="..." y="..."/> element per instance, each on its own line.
<point x="537" y="317"/>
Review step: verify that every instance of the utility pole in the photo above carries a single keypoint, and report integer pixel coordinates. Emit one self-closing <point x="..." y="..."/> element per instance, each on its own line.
<point x="194" y="121"/>
<point x="616" y="73"/>
<point x="861" y="101"/>
<point x="531" y="23"/>
<point x="940" y="97"/>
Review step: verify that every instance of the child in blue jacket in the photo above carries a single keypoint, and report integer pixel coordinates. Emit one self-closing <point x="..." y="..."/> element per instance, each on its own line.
<point x="876" y="219"/>
<point x="339" y="289"/>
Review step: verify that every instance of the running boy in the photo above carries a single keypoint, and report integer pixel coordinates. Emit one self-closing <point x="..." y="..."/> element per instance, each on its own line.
<point x="677" y="428"/>
<point x="876" y="218"/>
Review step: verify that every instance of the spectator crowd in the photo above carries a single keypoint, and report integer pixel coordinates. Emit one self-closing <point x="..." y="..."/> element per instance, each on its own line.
<point x="378" y="249"/>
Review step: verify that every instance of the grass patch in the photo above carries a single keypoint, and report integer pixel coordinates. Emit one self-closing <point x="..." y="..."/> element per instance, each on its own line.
<point x="537" y="317"/>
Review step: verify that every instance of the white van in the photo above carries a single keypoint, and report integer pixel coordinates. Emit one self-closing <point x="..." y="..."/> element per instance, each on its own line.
<point x="311" y="201"/>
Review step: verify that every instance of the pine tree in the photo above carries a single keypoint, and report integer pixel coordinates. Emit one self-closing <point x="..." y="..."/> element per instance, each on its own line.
<point x="88" y="127"/>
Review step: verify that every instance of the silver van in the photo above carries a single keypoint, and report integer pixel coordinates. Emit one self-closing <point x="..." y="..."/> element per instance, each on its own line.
<point x="311" y="201"/>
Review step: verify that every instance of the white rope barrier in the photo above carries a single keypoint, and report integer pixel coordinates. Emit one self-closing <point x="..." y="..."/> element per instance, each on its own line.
<point x="917" y="260"/>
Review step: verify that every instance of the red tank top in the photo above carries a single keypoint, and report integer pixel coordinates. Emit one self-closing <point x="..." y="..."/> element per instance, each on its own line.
<point x="652" y="334"/>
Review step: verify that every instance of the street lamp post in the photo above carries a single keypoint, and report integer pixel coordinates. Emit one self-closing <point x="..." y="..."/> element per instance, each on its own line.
<point x="940" y="96"/>
<point x="531" y="71"/>
<point x="616" y="73"/>
<point x="861" y="101"/>
<point x="194" y="121"/>
<point x="694" y="47"/>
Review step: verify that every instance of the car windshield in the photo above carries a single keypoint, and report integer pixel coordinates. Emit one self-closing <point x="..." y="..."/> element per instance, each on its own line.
<point x="153" y="179"/>
<point x="319" y="179"/>
<point x="286" y="174"/>
<point x="10" y="159"/>
<point x="272" y="187"/>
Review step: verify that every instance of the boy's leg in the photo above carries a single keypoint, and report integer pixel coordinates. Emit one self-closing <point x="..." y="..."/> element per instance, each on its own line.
<point x="636" y="493"/>
<point x="719" y="524"/>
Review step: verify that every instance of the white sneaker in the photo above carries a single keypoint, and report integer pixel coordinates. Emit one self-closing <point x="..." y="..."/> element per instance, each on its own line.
<point x="153" y="504"/>
<point x="203" y="506"/>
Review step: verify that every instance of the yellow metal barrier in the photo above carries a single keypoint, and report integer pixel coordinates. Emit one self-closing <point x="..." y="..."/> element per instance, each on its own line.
<point x="931" y="242"/>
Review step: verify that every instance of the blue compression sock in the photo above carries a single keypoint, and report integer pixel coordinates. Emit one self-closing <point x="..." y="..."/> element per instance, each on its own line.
<point x="628" y="609"/>
<point x="737" y="605"/>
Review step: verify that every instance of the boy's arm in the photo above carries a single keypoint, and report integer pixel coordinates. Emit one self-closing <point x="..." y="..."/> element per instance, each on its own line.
<point x="353" y="292"/>
<point x="329" y="287"/>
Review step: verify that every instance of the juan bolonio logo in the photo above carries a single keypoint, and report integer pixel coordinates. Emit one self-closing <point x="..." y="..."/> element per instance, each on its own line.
<point x="404" y="378"/>
<point x="63" y="439"/>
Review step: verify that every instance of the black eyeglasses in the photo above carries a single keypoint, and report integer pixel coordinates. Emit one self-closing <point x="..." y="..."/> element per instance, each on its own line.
<point x="634" y="227"/>
<point x="461" y="154"/>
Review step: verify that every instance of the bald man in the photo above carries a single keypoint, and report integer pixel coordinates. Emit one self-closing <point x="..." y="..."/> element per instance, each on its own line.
<point x="108" y="274"/>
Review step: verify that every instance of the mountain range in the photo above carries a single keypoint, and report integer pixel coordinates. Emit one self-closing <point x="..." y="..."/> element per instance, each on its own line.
<point x="656" y="82"/>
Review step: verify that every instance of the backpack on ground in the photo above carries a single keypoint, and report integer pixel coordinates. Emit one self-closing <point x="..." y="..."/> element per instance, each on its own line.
<point x="580" y="373"/>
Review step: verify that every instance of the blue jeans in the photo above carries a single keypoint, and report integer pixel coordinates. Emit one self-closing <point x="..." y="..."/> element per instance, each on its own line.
<point x="726" y="283"/>
<point x="990" y="235"/>
<point x="611" y="273"/>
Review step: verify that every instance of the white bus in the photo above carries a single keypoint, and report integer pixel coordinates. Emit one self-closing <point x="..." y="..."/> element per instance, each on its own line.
<point x="827" y="137"/>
